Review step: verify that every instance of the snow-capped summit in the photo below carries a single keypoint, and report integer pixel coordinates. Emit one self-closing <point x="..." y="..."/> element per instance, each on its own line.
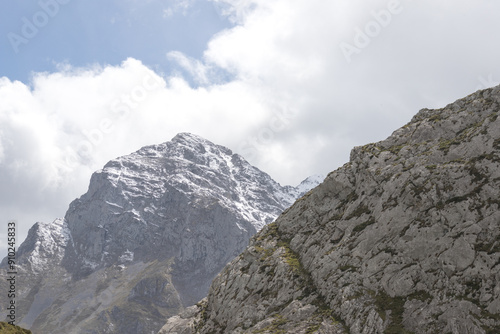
<point x="150" y="234"/>
<point x="44" y="246"/>
<point x="309" y="183"/>
<point x="144" y="195"/>
<point x="187" y="199"/>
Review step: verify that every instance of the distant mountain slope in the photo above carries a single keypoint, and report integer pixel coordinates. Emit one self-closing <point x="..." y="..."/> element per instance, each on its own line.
<point x="146" y="240"/>
<point x="405" y="238"/>
<point x="151" y="202"/>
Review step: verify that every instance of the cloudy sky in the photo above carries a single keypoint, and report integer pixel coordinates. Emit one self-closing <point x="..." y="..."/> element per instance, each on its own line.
<point x="292" y="85"/>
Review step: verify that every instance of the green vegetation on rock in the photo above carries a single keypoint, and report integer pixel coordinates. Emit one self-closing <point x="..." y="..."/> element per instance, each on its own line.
<point x="6" y="328"/>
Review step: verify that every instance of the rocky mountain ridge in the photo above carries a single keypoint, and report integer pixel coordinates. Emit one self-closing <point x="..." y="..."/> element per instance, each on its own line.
<point x="140" y="187"/>
<point x="146" y="239"/>
<point x="404" y="238"/>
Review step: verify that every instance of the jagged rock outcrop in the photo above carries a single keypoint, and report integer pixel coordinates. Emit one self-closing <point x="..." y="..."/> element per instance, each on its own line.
<point x="146" y="240"/>
<point x="405" y="238"/>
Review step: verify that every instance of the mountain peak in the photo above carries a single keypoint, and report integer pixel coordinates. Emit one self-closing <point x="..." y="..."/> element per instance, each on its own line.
<point x="44" y="246"/>
<point x="190" y="137"/>
<point x="149" y="235"/>
<point x="135" y="190"/>
<point x="198" y="143"/>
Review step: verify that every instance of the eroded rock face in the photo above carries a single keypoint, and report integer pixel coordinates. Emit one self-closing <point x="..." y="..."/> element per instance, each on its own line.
<point x="163" y="200"/>
<point x="405" y="238"/>
<point x="146" y="240"/>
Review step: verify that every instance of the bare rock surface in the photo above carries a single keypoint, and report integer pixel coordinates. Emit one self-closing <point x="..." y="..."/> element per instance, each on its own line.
<point x="404" y="238"/>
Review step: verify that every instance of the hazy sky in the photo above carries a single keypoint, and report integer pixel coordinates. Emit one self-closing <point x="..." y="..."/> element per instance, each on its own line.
<point x="292" y="85"/>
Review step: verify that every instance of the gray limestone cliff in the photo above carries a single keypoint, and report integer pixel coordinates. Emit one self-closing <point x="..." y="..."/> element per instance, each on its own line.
<point x="146" y="240"/>
<point x="405" y="238"/>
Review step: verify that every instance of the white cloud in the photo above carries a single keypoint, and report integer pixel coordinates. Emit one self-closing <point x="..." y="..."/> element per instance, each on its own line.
<point x="295" y="106"/>
<point x="197" y="69"/>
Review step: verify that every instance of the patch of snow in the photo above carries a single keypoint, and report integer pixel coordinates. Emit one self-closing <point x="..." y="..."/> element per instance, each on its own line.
<point x="114" y="205"/>
<point x="199" y="169"/>
<point x="51" y="241"/>
<point x="127" y="256"/>
<point x="309" y="183"/>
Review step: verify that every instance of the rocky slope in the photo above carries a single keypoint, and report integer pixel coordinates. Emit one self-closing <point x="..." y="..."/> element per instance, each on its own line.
<point x="146" y="240"/>
<point x="405" y="238"/>
<point x="6" y="328"/>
